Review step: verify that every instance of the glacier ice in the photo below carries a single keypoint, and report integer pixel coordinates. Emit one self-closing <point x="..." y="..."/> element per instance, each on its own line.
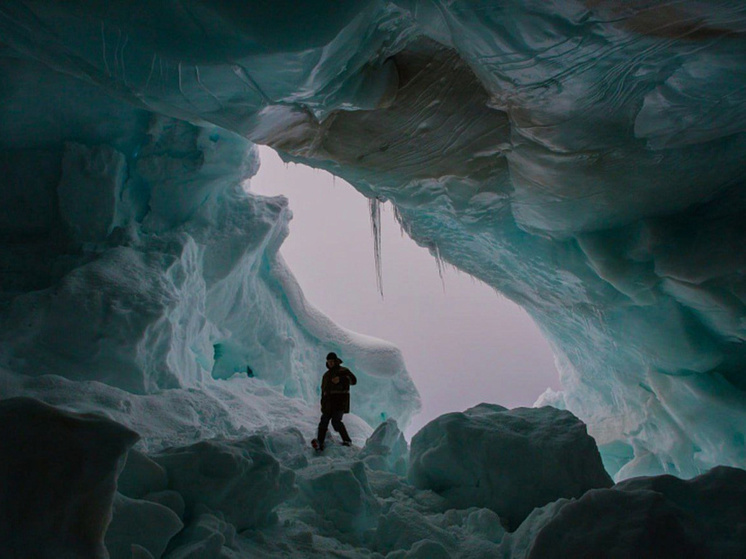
<point x="386" y="449"/>
<point x="510" y="461"/>
<point x="583" y="158"/>
<point x="603" y="141"/>
<point x="144" y="523"/>
<point x="139" y="288"/>
<point x="243" y="480"/>
<point x="661" y="516"/>
<point x="270" y="494"/>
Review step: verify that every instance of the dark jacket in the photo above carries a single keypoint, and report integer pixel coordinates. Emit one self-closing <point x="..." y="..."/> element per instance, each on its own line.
<point x="335" y="398"/>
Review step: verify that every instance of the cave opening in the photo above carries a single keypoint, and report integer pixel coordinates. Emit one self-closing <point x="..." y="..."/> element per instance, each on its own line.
<point x="463" y="343"/>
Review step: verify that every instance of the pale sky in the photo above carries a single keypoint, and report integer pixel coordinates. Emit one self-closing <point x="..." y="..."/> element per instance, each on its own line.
<point x="462" y="346"/>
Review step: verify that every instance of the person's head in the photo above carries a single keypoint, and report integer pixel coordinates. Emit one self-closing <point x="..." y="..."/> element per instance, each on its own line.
<point x="332" y="360"/>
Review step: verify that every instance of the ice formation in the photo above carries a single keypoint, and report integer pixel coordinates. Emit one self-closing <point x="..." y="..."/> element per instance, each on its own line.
<point x="59" y="477"/>
<point x="585" y="158"/>
<point x="169" y="276"/>
<point x="510" y="461"/>
<point x="661" y="516"/>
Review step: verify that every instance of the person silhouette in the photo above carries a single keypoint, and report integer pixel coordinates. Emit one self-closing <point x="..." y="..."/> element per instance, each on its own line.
<point x="335" y="400"/>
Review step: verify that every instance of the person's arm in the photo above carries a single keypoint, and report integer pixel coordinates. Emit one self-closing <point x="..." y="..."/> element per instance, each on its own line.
<point x="353" y="378"/>
<point x="324" y="388"/>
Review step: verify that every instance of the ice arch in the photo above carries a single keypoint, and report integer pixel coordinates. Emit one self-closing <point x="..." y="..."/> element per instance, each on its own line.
<point x="584" y="158"/>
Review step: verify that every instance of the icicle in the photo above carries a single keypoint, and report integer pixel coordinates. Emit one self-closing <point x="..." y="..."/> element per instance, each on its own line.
<point x="374" y="205"/>
<point x="403" y="227"/>
<point x="440" y="263"/>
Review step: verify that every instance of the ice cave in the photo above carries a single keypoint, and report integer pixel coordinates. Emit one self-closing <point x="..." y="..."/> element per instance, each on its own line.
<point x="159" y="362"/>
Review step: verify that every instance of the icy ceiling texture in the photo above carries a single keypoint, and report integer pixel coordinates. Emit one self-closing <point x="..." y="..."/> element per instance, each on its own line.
<point x="584" y="158"/>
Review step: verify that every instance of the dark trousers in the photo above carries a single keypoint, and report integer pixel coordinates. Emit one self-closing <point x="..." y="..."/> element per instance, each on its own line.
<point x="339" y="427"/>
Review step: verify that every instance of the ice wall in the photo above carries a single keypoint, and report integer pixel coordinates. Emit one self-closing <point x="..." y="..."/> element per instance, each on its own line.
<point x="584" y="158"/>
<point x="133" y="256"/>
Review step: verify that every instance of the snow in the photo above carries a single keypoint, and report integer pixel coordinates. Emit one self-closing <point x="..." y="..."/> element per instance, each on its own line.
<point x="586" y="160"/>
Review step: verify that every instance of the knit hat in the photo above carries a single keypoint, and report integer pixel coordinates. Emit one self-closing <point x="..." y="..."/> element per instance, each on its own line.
<point x="333" y="355"/>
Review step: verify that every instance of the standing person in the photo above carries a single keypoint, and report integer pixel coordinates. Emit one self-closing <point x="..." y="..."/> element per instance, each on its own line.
<point x="335" y="400"/>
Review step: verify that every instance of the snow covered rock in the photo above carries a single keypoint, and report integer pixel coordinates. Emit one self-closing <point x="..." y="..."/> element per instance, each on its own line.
<point x="655" y="517"/>
<point x="240" y="479"/>
<point x="510" y="461"/>
<point x="57" y="479"/>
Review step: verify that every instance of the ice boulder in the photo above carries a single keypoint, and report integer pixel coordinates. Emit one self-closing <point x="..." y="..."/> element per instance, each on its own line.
<point x="402" y="528"/>
<point x="386" y="449"/>
<point x="340" y="493"/>
<point x="240" y="479"/>
<point x="141" y="476"/>
<point x="425" y="549"/>
<point x="145" y="524"/>
<point x="654" y="517"/>
<point x="207" y="537"/>
<point x="510" y="461"/>
<point x="169" y="499"/>
<point x="57" y="479"/>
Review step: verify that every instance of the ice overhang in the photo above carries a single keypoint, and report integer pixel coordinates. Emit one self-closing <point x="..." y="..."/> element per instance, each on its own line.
<point x="585" y="159"/>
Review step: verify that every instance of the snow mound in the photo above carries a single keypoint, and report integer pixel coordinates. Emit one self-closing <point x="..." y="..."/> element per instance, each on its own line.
<point x="510" y="461"/>
<point x="658" y="517"/>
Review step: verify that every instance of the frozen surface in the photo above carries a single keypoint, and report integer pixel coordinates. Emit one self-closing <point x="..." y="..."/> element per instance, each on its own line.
<point x="270" y="495"/>
<point x="509" y="461"/>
